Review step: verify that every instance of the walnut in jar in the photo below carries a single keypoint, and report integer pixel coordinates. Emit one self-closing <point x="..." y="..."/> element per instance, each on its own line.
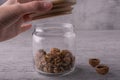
<point x="55" y="50"/>
<point x="55" y="61"/>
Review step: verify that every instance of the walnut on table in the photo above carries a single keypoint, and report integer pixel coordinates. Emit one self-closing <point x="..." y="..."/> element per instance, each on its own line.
<point x="102" y="69"/>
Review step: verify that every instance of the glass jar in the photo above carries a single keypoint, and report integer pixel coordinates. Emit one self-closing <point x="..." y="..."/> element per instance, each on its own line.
<point x="54" y="48"/>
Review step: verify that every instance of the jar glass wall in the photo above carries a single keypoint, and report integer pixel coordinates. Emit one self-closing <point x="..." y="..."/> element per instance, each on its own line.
<point x="54" y="48"/>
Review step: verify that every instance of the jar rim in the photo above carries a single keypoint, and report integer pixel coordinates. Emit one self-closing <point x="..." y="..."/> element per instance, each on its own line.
<point x="54" y="28"/>
<point x="68" y="25"/>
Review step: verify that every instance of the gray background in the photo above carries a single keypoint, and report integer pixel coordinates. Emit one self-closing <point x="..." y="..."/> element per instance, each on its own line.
<point x="96" y="26"/>
<point x="95" y="15"/>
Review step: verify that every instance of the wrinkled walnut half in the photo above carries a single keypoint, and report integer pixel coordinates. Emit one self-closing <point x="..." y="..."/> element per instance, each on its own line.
<point x="102" y="69"/>
<point x="94" y="62"/>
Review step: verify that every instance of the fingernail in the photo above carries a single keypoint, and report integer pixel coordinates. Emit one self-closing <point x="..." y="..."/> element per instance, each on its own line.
<point x="48" y="5"/>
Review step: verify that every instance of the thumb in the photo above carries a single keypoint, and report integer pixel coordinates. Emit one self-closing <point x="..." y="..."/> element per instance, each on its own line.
<point x="35" y="6"/>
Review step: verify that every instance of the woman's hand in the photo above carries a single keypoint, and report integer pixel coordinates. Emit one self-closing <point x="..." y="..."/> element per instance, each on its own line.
<point x="13" y="14"/>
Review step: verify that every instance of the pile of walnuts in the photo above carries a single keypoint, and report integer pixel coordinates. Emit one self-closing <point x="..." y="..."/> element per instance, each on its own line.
<point x="56" y="61"/>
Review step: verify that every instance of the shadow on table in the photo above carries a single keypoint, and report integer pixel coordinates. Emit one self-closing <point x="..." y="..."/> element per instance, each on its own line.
<point x="85" y="73"/>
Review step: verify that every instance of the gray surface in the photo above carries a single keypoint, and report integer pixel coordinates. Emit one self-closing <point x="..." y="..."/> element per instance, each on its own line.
<point x="16" y="60"/>
<point x="2" y="1"/>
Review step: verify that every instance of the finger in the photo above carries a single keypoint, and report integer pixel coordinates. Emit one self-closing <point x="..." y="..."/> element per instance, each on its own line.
<point x="27" y="18"/>
<point x="35" y="6"/>
<point x="10" y="14"/>
<point x="24" y="1"/>
<point x="25" y="27"/>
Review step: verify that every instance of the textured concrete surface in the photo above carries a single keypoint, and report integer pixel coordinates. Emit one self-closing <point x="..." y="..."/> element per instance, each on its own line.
<point x="16" y="60"/>
<point x="100" y="16"/>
